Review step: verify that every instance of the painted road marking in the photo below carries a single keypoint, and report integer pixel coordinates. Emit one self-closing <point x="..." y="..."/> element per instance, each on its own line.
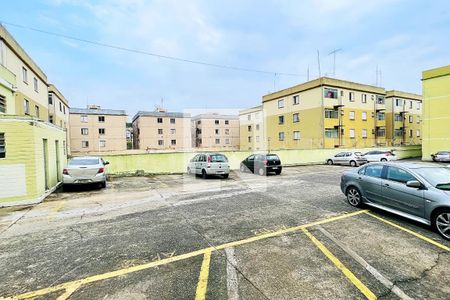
<point x="69" y="291"/>
<point x="165" y="261"/>
<point x="350" y="276"/>
<point x="56" y="209"/>
<point x="422" y="237"/>
<point x="203" y="277"/>
<point x="232" y="277"/>
<point x="383" y="280"/>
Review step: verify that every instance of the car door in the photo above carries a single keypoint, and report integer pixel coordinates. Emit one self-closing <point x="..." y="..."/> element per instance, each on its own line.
<point x="370" y="182"/>
<point x="250" y="163"/>
<point x="399" y="196"/>
<point x="339" y="158"/>
<point x="347" y="158"/>
<point x="198" y="164"/>
<point x="192" y="163"/>
<point x="371" y="156"/>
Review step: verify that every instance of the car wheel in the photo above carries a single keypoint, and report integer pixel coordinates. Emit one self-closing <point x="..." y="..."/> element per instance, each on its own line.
<point x="353" y="163"/>
<point x="189" y="171"/>
<point x="354" y="197"/>
<point x="329" y="162"/>
<point x="242" y="168"/>
<point x="103" y="184"/>
<point x="204" y="174"/>
<point x="225" y="176"/>
<point x="383" y="160"/>
<point x="441" y="223"/>
<point x="261" y="172"/>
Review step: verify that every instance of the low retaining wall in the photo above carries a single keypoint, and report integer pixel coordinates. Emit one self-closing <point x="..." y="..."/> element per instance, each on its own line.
<point x="176" y="162"/>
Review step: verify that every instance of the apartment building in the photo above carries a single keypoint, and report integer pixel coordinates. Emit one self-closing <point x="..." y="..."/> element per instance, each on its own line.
<point x="58" y="108"/>
<point x="325" y="113"/>
<point x="436" y="111"/>
<point x="97" y="130"/>
<point x="251" y="129"/>
<point x="162" y="130"/>
<point x="32" y="150"/>
<point x="216" y="132"/>
<point x="403" y="118"/>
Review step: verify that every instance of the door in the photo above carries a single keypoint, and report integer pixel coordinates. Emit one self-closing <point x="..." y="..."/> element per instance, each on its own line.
<point x="370" y="182"/>
<point x="45" y="150"/>
<point x="399" y="196"/>
<point x="339" y="158"/>
<point x="250" y="163"/>
<point x="199" y="163"/>
<point x="58" y="167"/>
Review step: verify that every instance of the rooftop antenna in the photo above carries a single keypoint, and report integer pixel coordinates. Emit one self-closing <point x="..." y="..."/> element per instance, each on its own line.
<point x="318" y="62"/>
<point x="376" y="76"/>
<point x="334" y="59"/>
<point x="307" y="74"/>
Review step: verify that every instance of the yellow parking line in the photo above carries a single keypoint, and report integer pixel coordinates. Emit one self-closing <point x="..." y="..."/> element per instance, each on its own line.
<point x="350" y="276"/>
<point x="203" y="277"/>
<point x="410" y="232"/>
<point x="165" y="261"/>
<point x="56" y="209"/>
<point x="69" y="291"/>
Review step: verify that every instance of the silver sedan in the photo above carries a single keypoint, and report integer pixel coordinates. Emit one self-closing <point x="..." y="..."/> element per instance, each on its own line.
<point x="85" y="170"/>
<point x="420" y="192"/>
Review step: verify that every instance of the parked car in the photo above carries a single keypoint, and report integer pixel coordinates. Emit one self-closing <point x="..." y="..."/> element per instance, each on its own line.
<point x="378" y="155"/>
<point x="441" y="156"/>
<point x="206" y="164"/>
<point x="420" y="192"/>
<point x="262" y="164"/>
<point x="347" y="158"/>
<point x="85" y="170"/>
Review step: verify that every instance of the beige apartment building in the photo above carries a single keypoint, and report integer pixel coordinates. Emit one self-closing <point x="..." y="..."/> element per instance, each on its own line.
<point x="251" y="129"/>
<point x="216" y="132"/>
<point x="161" y="130"/>
<point x="97" y="130"/>
<point x="58" y="108"/>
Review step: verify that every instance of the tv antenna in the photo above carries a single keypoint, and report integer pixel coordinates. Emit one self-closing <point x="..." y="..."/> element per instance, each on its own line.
<point x="334" y="59"/>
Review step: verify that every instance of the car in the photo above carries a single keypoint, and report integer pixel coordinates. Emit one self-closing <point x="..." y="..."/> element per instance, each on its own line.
<point x="351" y="158"/>
<point x="206" y="164"/>
<point x="417" y="191"/>
<point x="85" y="170"/>
<point x="262" y="164"/>
<point x="378" y="155"/>
<point x="443" y="156"/>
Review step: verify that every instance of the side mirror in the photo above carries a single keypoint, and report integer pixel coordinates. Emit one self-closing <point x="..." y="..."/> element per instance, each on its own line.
<point x="106" y="163"/>
<point x="414" y="184"/>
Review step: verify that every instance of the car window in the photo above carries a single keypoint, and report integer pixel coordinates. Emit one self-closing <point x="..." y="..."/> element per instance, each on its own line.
<point x="362" y="171"/>
<point x="251" y="157"/>
<point x="218" y="158"/>
<point x="374" y="171"/>
<point x="370" y="153"/>
<point x="358" y="153"/>
<point x="399" y="175"/>
<point x="84" y="162"/>
<point x="340" y="154"/>
<point x="348" y="154"/>
<point x="202" y="158"/>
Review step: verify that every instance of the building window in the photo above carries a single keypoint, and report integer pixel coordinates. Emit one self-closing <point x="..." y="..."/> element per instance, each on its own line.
<point x="249" y="139"/>
<point x="2" y="104"/>
<point x="363" y="98"/>
<point x="26" y="106"/>
<point x="60" y="106"/>
<point x="160" y="120"/>
<point x="410" y="133"/>
<point x="351" y="96"/>
<point x="249" y="117"/>
<point x="216" y="131"/>
<point x="331" y="114"/>
<point x="172" y="120"/>
<point x="352" y="133"/>
<point x="364" y="116"/>
<point x="398" y="132"/>
<point x="331" y="132"/>
<point x="249" y="128"/>
<point x="198" y="122"/>
<point x="50" y="119"/>
<point x="35" y="84"/>
<point x="398" y="102"/>
<point x="281" y="103"/>
<point x="50" y="98"/>
<point x="257" y="115"/>
<point x="173" y="131"/>
<point x="216" y="122"/>
<point x="364" y="134"/>
<point x="2" y="145"/>
<point x="36" y="109"/>
<point x="101" y="131"/>
<point x="25" y="75"/>
<point x="411" y="119"/>
<point x="296" y="135"/>
<point x="102" y="143"/>
<point x="281" y="136"/>
<point x="418" y="119"/>
<point x="217" y="141"/>
<point x="173" y="142"/>
<point x="257" y="126"/>
<point x="410" y="105"/>
<point x="84" y="144"/>
<point x="380" y="116"/>
<point x="398" y="118"/>
<point x="227" y="122"/>
<point x="160" y="142"/>
<point x="351" y="115"/>
<point x="257" y="138"/>
<point x="227" y="131"/>
<point x="330" y="93"/>
<point x="101" y="119"/>
<point x="418" y="105"/>
<point x="160" y="131"/>
<point x="64" y="109"/>
<point x="380" y="100"/>
<point x="418" y="132"/>
<point x="280" y="120"/>
<point x="227" y="141"/>
<point x="295" y="118"/>
<point x="83" y="118"/>
<point x="296" y="99"/>
<point x="380" y="132"/>
<point x="84" y="131"/>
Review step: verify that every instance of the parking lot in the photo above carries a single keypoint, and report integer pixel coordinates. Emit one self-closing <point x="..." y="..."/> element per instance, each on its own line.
<point x="291" y="236"/>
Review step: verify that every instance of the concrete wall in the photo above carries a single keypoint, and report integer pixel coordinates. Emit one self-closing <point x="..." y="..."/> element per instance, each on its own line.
<point x="176" y="162"/>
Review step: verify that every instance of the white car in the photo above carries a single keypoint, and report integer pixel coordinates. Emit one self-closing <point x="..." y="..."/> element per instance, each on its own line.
<point x="378" y="155"/>
<point x="85" y="170"/>
<point x="206" y="164"/>
<point x="443" y="156"/>
<point x="347" y="158"/>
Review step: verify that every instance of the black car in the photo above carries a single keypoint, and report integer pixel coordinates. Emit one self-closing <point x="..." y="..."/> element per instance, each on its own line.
<point x="262" y="164"/>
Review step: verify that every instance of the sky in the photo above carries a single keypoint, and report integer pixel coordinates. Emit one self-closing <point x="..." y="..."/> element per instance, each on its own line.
<point x="399" y="37"/>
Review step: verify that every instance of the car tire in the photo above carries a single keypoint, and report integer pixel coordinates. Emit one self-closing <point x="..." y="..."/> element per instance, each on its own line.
<point x="353" y="163"/>
<point x="330" y="162"/>
<point x="225" y="176"/>
<point x="204" y="174"/>
<point x="103" y="184"/>
<point x="354" y="197"/>
<point x="278" y="172"/>
<point x="383" y="160"/>
<point x="262" y="172"/>
<point x="242" y="168"/>
<point x="440" y="221"/>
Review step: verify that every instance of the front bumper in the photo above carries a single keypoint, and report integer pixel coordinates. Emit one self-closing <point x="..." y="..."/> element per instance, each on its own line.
<point x="67" y="179"/>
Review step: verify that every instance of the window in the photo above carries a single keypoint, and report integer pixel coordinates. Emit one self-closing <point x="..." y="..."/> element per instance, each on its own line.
<point x="227" y="122"/>
<point x="249" y="128"/>
<point x="380" y="99"/>
<point x="227" y="141"/>
<point x="331" y="114"/>
<point x="217" y="141"/>
<point x="296" y="99"/>
<point x="172" y="120"/>
<point x="84" y="144"/>
<point x="26" y="106"/>
<point x="295" y="118"/>
<point x="257" y="126"/>
<point x="36" y="109"/>
<point x="296" y="135"/>
<point x="249" y="139"/>
<point x="418" y="119"/>
<point x="399" y="175"/>
<point x="281" y="136"/>
<point x="216" y="131"/>
<point x="418" y="132"/>
<point x="410" y="133"/>
<point x="363" y="98"/>
<point x="160" y="120"/>
<point x="60" y="106"/>
<point x="418" y="105"/>
<point x="281" y="103"/>
<point x="2" y="145"/>
<point x="25" y="75"/>
<point x="173" y="142"/>
<point x="398" y="102"/>
<point x="351" y="96"/>
<point x="380" y="132"/>
<point x="198" y="122"/>
<point x="380" y="116"/>
<point x="50" y="98"/>
<point x="35" y="84"/>
<point x="64" y="109"/>
<point x="216" y="122"/>
<point x="280" y="120"/>
<point x="84" y="131"/>
<point x="398" y="117"/>
<point x="398" y="132"/>
<point x="257" y="115"/>
<point x="331" y="132"/>
<point x="352" y="115"/>
<point x="101" y="131"/>
<point x="410" y="104"/>
<point x="227" y="131"/>
<point x="411" y="119"/>
<point x="50" y="119"/>
<point x="102" y="143"/>
<point x="2" y="104"/>
<point x="160" y="143"/>
<point x="352" y="133"/>
<point x="373" y="171"/>
<point x="160" y="131"/>
<point x="101" y="119"/>
<point x="249" y="117"/>
<point x="330" y="93"/>
<point x="364" y="134"/>
<point x="364" y="116"/>
<point x="257" y="138"/>
<point x="83" y="118"/>
<point x="173" y="131"/>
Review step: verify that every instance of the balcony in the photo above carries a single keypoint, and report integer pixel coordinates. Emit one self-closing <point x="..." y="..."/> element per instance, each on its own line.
<point x="8" y="77"/>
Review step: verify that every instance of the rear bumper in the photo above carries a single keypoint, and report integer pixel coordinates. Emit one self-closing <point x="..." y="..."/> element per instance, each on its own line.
<point x="67" y="179"/>
<point x="274" y="168"/>
<point x="217" y="171"/>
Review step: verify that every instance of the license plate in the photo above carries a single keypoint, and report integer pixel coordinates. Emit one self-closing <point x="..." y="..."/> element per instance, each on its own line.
<point x="83" y="180"/>
<point x="274" y="167"/>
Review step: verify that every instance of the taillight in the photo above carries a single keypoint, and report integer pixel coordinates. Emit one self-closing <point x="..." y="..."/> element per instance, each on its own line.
<point x="65" y="172"/>
<point x="101" y="170"/>
<point x="265" y="162"/>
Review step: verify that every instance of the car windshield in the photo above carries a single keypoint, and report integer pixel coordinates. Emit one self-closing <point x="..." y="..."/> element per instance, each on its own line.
<point x="83" y="162"/>
<point x="272" y="156"/>
<point x="358" y="153"/>
<point x="218" y="158"/>
<point x="438" y="177"/>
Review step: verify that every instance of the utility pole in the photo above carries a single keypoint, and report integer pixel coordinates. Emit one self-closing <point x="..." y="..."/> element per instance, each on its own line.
<point x="334" y="59"/>
<point x="318" y="62"/>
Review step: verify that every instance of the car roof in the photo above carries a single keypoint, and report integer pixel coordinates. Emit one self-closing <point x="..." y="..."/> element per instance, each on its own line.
<point x="86" y="157"/>
<point x="409" y="165"/>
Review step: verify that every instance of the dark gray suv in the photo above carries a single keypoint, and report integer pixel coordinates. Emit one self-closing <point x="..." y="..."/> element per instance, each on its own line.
<point x="420" y="192"/>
